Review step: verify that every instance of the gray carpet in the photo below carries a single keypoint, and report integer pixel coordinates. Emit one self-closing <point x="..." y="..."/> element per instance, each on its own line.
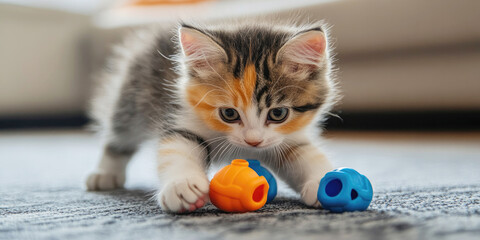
<point x="426" y="187"/>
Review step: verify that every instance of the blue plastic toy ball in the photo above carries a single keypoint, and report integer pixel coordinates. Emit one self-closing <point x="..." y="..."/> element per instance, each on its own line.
<point x="261" y="171"/>
<point x="344" y="189"/>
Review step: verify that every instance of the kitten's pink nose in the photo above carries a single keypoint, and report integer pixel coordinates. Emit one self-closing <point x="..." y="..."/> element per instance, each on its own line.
<point x="253" y="144"/>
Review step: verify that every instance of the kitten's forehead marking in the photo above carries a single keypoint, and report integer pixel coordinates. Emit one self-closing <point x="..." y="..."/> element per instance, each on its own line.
<point x="244" y="88"/>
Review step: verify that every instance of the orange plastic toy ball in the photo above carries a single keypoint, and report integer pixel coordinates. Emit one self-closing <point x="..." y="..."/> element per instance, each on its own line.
<point x="238" y="188"/>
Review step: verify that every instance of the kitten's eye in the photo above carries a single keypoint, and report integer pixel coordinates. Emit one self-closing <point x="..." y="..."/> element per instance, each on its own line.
<point x="229" y="115"/>
<point x="277" y="115"/>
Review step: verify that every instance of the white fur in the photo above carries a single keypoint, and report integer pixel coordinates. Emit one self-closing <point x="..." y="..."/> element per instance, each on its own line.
<point x="185" y="184"/>
<point x="110" y="173"/>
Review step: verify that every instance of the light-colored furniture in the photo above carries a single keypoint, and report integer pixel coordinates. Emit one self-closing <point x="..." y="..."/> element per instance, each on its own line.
<point x="43" y="58"/>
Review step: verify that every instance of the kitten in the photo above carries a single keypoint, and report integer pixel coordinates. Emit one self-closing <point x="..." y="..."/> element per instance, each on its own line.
<point x="207" y="93"/>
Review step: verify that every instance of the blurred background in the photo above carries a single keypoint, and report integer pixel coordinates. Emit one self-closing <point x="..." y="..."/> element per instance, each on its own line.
<point x="402" y="64"/>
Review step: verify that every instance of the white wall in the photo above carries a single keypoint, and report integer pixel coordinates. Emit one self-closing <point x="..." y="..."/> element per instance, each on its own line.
<point x="42" y="61"/>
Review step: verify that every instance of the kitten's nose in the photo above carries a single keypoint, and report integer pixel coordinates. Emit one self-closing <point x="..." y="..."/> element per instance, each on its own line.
<point x="253" y="144"/>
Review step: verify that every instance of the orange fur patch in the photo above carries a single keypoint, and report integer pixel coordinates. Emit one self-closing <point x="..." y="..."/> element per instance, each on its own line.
<point x="201" y="98"/>
<point x="296" y="123"/>
<point x="242" y="91"/>
<point x="249" y="81"/>
<point x="239" y="93"/>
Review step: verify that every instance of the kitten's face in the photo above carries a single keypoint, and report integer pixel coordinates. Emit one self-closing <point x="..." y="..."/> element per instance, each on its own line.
<point x="256" y="90"/>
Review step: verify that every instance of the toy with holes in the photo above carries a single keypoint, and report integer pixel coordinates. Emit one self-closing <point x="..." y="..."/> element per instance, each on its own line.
<point x="344" y="189"/>
<point x="261" y="171"/>
<point x="238" y="188"/>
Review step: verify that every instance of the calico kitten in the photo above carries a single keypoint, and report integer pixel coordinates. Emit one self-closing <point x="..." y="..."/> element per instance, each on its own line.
<point x="207" y="93"/>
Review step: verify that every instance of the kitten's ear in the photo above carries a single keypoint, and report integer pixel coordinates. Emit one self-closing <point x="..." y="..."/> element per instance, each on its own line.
<point x="304" y="51"/>
<point x="201" y="52"/>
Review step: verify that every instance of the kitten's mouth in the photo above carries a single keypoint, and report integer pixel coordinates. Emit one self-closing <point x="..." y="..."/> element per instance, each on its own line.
<point x="261" y="146"/>
<point x="265" y="144"/>
<point x="256" y="147"/>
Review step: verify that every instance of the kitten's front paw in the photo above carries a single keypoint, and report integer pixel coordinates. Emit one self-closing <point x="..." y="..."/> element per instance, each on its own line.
<point x="102" y="181"/>
<point x="184" y="195"/>
<point x="309" y="194"/>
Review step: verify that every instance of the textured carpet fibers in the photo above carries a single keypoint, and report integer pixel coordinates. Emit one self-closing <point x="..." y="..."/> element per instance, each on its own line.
<point x="426" y="187"/>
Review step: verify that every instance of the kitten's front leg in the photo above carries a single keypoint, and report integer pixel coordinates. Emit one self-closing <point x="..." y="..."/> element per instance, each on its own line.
<point x="181" y="167"/>
<point x="305" y="166"/>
